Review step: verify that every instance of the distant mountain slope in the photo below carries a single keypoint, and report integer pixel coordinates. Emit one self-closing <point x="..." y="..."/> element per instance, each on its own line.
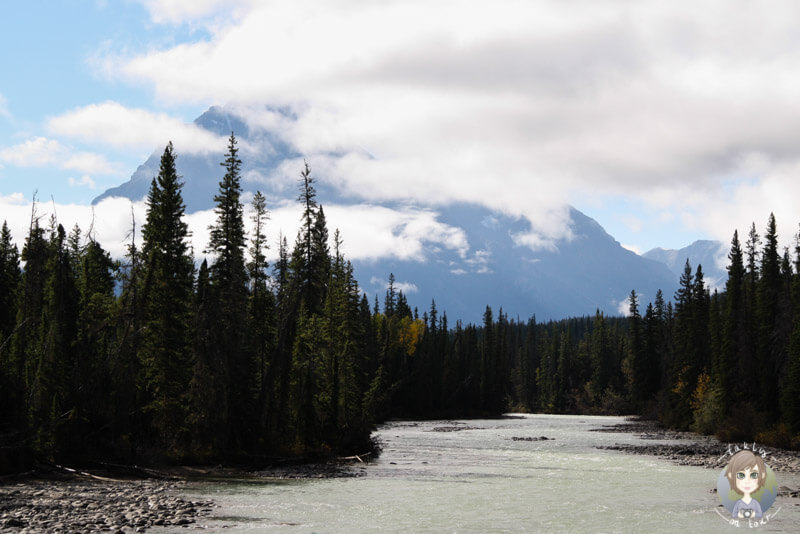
<point x="202" y="173"/>
<point x="712" y="255"/>
<point x="591" y="271"/>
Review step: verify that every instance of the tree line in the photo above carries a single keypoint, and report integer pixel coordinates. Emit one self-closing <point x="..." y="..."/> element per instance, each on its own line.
<point x="152" y="358"/>
<point x="725" y="362"/>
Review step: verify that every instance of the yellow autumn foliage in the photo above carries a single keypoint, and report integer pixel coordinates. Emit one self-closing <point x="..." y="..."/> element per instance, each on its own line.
<point x="409" y="333"/>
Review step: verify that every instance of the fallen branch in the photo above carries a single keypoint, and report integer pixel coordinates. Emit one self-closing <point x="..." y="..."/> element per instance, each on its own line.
<point x="355" y="457"/>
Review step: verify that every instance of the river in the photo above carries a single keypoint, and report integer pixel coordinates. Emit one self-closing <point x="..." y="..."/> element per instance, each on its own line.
<point x="474" y="476"/>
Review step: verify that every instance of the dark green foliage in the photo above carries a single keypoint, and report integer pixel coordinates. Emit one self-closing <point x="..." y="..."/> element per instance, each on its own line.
<point x="228" y="353"/>
<point x="165" y="352"/>
<point x="10" y="276"/>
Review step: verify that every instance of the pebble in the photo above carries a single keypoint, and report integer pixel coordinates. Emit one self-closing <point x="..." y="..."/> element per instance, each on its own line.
<point x="95" y="506"/>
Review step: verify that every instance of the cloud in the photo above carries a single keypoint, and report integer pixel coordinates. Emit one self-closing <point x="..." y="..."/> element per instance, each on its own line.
<point x="83" y="181"/>
<point x="180" y="11"/>
<point x="515" y="105"/>
<point x="406" y="234"/>
<point x="405" y="287"/>
<point x="112" y="124"/>
<point x="44" y="152"/>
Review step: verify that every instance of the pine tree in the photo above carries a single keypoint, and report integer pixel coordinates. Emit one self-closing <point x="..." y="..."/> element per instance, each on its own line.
<point x="228" y="298"/>
<point x="639" y="363"/>
<point x="768" y="352"/>
<point x="790" y="390"/>
<point x="23" y="357"/>
<point x="52" y="405"/>
<point x="310" y="261"/>
<point x="209" y="413"/>
<point x="10" y="276"/>
<point x="730" y="377"/>
<point x="127" y="379"/>
<point x="261" y="315"/>
<point x="390" y="300"/>
<point x="166" y="346"/>
<point x="96" y="342"/>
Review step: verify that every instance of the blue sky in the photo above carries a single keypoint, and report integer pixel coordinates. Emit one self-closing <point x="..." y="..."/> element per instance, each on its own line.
<point x="665" y="125"/>
<point x="50" y="67"/>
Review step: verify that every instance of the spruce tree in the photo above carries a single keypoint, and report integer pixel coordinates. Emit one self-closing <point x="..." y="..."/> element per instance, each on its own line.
<point x="769" y="352"/>
<point x="639" y="363"/>
<point x="22" y="356"/>
<point x="166" y="347"/>
<point x="228" y="282"/>
<point x="52" y="402"/>
<point x="261" y="316"/>
<point x="790" y="390"/>
<point x="96" y="342"/>
<point x="10" y="276"/>
<point x="729" y="375"/>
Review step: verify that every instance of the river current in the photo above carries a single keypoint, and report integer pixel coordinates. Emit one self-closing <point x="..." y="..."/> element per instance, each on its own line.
<point x="494" y="475"/>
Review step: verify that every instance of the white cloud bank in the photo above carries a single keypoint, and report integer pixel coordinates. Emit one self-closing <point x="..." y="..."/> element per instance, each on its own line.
<point x="44" y="152"/>
<point x="516" y="105"/>
<point x="112" y="124"/>
<point x="401" y="234"/>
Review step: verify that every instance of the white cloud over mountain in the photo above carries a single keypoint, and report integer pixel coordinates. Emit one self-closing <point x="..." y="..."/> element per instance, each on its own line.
<point x="515" y="105"/>
<point x="395" y="233"/>
<point x="518" y="106"/>
<point x="112" y="124"/>
<point x="44" y="152"/>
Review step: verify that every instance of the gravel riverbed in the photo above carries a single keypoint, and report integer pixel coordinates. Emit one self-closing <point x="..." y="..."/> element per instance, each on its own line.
<point x="695" y="449"/>
<point x="90" y="505"/>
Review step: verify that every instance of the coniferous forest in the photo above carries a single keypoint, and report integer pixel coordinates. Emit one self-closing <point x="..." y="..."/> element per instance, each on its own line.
<point x="153" y="358"/>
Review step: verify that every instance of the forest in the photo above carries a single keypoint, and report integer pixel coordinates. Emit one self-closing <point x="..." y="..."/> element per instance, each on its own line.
<point x="154" y="359"/>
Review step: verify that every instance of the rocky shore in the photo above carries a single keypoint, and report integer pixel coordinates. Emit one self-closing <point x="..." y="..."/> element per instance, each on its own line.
<point x="131" y="499"/>
<point x="86" y="504"/>
<point x="694" y="449"/>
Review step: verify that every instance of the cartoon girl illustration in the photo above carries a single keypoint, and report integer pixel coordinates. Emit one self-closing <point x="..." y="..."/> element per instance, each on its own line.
<point x="746" y="474"/>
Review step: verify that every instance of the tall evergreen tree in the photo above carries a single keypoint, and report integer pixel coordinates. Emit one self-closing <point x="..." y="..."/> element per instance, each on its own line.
<point x="261" y="316"/>
<point x="52" y="404"/>
<point x="228" y="283"/>
<point x="10" y="276"/>
<point x="769" y="353"/>
<point x="23" y="357"/>
<point x="638" y="356"/>
<point x="96" y="342"/>
<point x="732" y="351"/>
<point x="310" y="261"/>
<point x="790" y="391"/>
<point x="169" y="269"/>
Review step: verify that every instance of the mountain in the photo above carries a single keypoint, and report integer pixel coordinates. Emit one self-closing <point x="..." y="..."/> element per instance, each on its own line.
<point x="202" y="173"/>
<point x="575" y="277"/>
<point x="711" y="255"/>
<point x="579" y="276"/>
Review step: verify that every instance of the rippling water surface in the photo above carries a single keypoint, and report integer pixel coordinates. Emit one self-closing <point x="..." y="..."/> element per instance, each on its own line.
<point x="473" y="476"/>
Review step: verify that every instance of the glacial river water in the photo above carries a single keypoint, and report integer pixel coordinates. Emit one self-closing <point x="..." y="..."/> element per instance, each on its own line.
<point x="473" y="476"/>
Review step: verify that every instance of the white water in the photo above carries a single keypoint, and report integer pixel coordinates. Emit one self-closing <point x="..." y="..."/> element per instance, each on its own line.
<point x="479" y="479"/>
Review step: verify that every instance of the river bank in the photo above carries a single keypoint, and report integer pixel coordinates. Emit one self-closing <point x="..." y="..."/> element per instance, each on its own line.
<point x="131" y="499"/>
<point x="694" y="449"/>
<point x="84" y="504"/>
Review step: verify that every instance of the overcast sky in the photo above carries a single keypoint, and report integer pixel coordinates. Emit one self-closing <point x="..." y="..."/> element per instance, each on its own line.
<point x="664" y="121"/>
